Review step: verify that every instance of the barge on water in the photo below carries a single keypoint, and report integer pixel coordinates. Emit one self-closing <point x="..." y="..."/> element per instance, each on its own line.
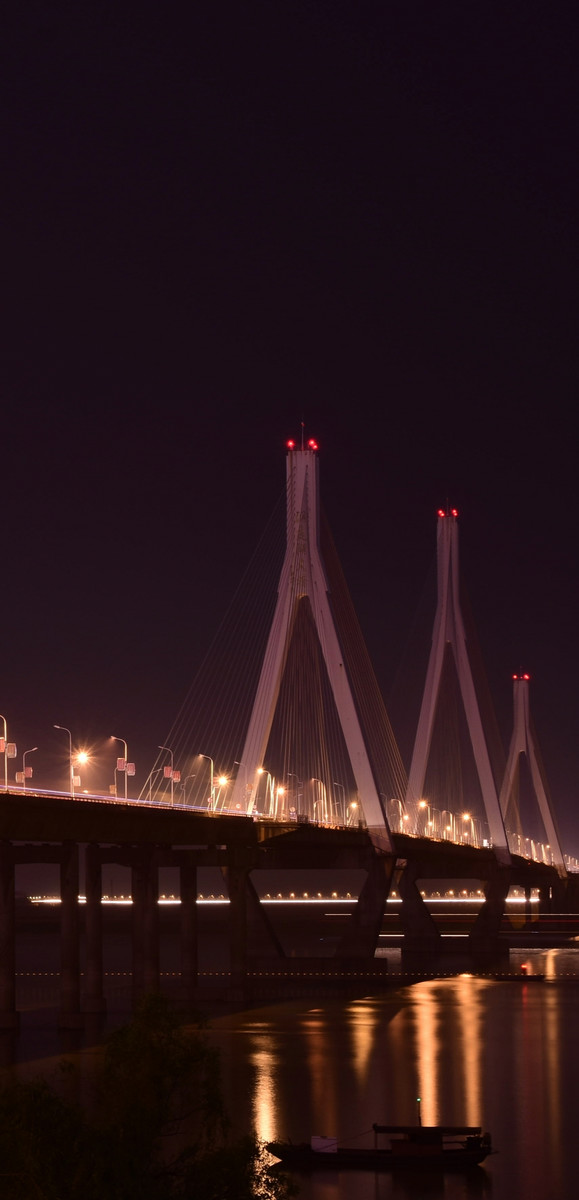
<point x="414" y="1147"/>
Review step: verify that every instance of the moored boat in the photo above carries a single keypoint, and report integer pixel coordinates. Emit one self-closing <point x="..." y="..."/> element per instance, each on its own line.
<point x="408" y="1147"/>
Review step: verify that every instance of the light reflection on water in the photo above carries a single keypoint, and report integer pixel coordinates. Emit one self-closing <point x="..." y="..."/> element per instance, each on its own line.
<point x="504" y="1055"/>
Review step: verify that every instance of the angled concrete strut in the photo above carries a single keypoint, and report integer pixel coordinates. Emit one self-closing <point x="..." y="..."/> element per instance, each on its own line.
<point x="303" y="575"/>
<point x="449" y="630"/>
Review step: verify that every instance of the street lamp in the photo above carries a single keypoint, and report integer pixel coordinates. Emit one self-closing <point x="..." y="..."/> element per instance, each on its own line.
<point x="8" y="749"/>
<point x="321" y="795"/>
<point x="25" y="768"/>
<point x="4" y="741"/>
<point x="184" y="786"/>
<point x="123" y="764"/>
<point x="172" y="775"/>
<point x="424" y="807"/>
<point x="292" y="775"/>
<point x="211" y="791"/>
<point x="222" y="782"/>
<point x="341" y="785"/>
<point x="152" y="776"/>
<point x="470" y="836"/>
<point x="70" y="763"/>
<point x="269" y="790"/>
<point x="237" y="763"/>
<point x="399" y="810"/>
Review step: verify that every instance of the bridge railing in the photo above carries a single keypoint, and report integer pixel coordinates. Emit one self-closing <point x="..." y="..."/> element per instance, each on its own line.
<point x="418" y="819"/>
<point x="540" y="852"/>
<point x="421" y="819"/>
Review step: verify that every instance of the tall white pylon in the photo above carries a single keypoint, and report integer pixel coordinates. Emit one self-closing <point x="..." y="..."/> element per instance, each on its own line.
<point x="449" y="630"/>
<point x="303" y="575"/>
<point x="522" y="742"/>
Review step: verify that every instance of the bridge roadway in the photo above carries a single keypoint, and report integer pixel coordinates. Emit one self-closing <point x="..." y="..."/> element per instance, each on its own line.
<point x="39" y="828"/>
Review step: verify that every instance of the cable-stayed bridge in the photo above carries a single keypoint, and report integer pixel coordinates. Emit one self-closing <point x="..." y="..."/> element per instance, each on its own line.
<point x="286" y="720"/>
<point x="288" y="706"/>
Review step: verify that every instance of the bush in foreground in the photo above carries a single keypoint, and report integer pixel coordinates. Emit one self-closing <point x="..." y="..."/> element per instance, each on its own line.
<point x="155" y="1127"/>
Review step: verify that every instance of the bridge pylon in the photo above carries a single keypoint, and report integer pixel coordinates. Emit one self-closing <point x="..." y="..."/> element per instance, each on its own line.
<point x="303" y="576"/>
<point x="523" y="743"/>
<point x="449" y="631"/>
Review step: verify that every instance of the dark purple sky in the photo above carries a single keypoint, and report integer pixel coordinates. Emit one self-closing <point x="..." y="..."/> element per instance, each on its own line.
<point x="218" y="219"/>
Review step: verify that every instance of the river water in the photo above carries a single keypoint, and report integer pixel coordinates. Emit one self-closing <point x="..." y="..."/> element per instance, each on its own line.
<point x="504" y="1055"/>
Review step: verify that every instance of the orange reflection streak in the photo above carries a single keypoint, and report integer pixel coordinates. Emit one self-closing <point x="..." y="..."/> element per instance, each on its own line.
<point x="362" y="1018"/>
<point x="469" y="996"/>
<point x="426" y="1016"/>
<point x="402" y="1042"/>
<point x="263" y="1101"/>
<point x="530" y="1066"/>
<point x="549" y="964"/>
<point x="552" y="1042"/>
<point x="323" y="1081"/>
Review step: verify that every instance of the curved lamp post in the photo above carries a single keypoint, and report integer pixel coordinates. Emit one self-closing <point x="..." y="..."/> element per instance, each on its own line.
<point x="34" y="748"/>
<point x="5" y="739"/>
<point x="8" y="749"/>
<point x="118" y="739"/>
<point x="212" y="790"/>
<point x="185" y="782"/>
<point x="70" y="762"/>
<point x="321" y="796"/>
<point x="169" y="751"/>
<point x="152" y="776"/>
<point x="341" y="785"/>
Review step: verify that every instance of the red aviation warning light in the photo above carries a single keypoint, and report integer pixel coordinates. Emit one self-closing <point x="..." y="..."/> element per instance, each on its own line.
<point x="312" y="444"/>
<point x="441" y="512"/>
<point x="448" y="512"/>
<point x="454" y="512"/>
<point x="521" y="677"/>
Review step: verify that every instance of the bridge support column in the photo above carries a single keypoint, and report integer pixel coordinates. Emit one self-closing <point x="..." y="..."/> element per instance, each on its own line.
<point x="551" y="896"/>
<point x="145" y="892"/>
<point x="361" y="938"/>
<point x="571" y="901"/>
<point x="420" y="933"/>
<point x="69" y="1014"/>
<point x="189" y="928"/>
<point x="484" y="935"/>
<point x="528" y="909"/>
<point x="94" y="1000"/>
<point x="9" y="1018"/>
<point x="237" y="875"/>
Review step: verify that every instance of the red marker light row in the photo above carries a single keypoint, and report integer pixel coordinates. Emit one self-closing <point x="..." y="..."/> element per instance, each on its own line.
<point x="312" y="445"/>
<point x="453" y="512"/>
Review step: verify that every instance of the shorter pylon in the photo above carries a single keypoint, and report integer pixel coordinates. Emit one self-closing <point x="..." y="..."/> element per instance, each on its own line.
<point x="523" y="742"/>
<point x="449" y="631"/>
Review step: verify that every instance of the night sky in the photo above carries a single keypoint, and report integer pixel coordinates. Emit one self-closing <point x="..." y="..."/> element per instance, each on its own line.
<point x="219" y="220"/>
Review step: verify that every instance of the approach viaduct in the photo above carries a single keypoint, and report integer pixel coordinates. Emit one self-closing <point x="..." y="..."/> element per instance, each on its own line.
<point x="143" y="837"/>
